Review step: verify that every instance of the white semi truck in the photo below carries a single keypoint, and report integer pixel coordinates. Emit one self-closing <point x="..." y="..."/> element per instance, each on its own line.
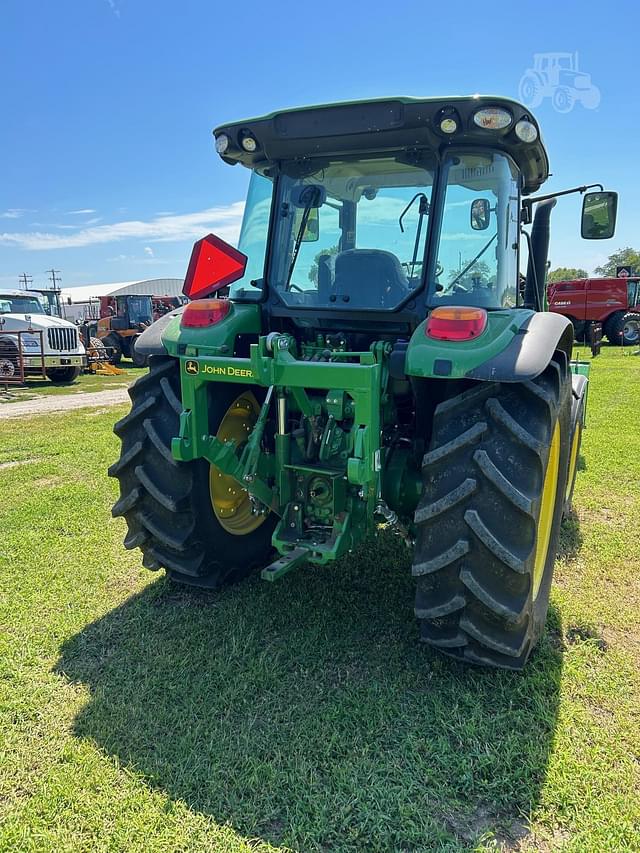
<point x="59" y="348"/>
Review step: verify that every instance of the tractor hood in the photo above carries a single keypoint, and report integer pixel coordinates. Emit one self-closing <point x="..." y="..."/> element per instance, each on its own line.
<point x="388" y="124"/>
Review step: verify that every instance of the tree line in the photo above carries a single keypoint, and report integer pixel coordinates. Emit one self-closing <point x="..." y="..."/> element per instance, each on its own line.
<point x="627" y="257"/>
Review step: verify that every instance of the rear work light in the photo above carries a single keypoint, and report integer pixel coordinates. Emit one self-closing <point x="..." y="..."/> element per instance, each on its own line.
<point x="204" y="312"/>
<point x="451" y="323"/>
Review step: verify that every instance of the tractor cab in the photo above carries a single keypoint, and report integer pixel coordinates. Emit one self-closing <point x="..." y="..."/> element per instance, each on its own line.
<point x="126" y="313"/>
<point x="402" y="207"/>
<point x="368" y="216"/>
<point x="122" y="320"/>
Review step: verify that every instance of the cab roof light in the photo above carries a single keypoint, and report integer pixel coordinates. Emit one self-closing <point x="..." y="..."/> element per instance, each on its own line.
<point x="453" y="323"/>
<point x="526" y="131"/>
<point x="492" y="118"/>
<point x="222" y="143"/>
<point x="248" y="141"/>
<point x="204" y="312"/>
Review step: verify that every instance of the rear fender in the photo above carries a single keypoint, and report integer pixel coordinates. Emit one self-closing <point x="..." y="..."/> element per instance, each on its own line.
<point x="517" y="345"/>
<point x="150" y="341"/>
<point x="530" y="350"/>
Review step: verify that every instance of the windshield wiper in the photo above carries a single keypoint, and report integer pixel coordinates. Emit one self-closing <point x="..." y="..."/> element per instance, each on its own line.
<point x="311" y="198"/>
<point x="469" y="265"/>
<point x="423" y="210"/>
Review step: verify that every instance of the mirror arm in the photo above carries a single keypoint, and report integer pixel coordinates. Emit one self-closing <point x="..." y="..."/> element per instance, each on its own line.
<point x="528" y="202"/>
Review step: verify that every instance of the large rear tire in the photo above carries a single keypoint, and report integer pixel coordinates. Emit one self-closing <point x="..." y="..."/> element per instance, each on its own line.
<point x="489" y="519"/>
<point x="624" y="328"/>
<point x="169" y="505"/>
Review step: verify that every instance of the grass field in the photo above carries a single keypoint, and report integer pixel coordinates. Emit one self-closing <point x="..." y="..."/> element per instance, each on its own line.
<point x="85" y="382"/>
<point x="304" y="715"/>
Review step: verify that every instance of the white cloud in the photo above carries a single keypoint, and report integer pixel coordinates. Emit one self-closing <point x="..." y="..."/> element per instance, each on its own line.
<point x="148" y="251"/>
<point x="13" y="213"/>
<point x="224" y="221"/>
<point x="81" y="211"/>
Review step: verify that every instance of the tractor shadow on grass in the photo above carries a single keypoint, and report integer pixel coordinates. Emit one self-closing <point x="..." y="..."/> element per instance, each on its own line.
<point x="305" y="713"/>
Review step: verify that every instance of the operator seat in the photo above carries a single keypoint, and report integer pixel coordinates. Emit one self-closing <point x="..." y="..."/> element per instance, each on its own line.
<point x="369" y="278"/>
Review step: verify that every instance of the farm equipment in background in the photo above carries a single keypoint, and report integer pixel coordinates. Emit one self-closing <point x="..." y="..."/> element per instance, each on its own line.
<point x="164" y="304"/>
<point x="122" y="320"/>
<point x="34" y="343"/>
<point x="612" y="302"/>
<point x="345" y="369"/>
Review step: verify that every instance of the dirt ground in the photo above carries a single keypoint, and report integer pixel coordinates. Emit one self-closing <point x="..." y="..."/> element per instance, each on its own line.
<point x="63" y="403"/>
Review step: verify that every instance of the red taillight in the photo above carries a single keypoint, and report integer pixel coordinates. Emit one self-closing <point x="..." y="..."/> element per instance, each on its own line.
<point x="204" y="312"/>
<point x="214" y="264"/>
<point x="451" y="323"/>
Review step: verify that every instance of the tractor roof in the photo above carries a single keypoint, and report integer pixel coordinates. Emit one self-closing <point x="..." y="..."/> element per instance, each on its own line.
<point x="383" y="124"/>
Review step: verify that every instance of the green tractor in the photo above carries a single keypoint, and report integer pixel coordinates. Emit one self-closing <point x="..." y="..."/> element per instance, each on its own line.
<point x="367" y="357"/>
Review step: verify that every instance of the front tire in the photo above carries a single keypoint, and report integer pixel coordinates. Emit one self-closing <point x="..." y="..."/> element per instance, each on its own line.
<point x="489" y="519"/>
<point x="623" y="328"/>
<point x="137" y="358"/>
<point x="63" y="375"/>
<point x="9" y="360"/>
<point x="114" y="348"/>
<point x="168" y="505"/>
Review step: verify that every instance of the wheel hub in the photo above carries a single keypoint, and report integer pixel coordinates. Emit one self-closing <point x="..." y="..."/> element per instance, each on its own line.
<point x="631" y="331"/>
<point x="232" y="504"/>
<point x="547" y="510"/>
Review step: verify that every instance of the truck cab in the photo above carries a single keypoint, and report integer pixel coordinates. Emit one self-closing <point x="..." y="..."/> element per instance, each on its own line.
<point x="33" y="342"/>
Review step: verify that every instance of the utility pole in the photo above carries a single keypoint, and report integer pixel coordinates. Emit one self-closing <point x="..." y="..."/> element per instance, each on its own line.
<point x="25" y="280"/>
<point x="54" y="278"/>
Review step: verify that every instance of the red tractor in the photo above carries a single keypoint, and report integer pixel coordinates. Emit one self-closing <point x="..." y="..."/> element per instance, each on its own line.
<point x="614" y="302"/>
<point x="164" y="304"/>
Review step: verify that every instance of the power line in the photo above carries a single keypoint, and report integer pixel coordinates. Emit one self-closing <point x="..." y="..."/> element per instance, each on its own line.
<point x="54" y="278"/>
<point x="25" y="280"/>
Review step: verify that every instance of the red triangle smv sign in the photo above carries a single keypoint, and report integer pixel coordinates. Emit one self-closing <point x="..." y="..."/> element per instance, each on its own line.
<point x="214" y="264"/>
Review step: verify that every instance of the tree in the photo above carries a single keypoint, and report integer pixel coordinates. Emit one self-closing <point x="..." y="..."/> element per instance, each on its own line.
<point x="479" y="270"/>
<point x="566" y="274"/>
<point x="622" y="258"/>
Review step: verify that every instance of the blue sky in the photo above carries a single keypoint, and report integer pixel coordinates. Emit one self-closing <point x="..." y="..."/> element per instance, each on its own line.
<point x="107" y="106"/>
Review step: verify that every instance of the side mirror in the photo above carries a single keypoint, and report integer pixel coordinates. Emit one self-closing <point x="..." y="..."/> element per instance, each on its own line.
<point x="599" y="211"/>
<point x="308" y="195"/>
<point x="480" y="214"/>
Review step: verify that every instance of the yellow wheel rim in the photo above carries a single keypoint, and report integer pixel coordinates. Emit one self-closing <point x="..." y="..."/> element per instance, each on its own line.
<point x="573" y="459"/>
<point x="231" y="503"/>
<point x="547" y="510"/>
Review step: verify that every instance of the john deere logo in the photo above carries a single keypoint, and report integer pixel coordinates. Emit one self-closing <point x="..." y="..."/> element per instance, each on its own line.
<point x="192" y="367"/>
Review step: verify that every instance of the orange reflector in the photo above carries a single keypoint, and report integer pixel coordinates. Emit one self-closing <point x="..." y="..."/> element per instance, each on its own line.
<point x="453" y="323"/>
<point x="204" y="312"/>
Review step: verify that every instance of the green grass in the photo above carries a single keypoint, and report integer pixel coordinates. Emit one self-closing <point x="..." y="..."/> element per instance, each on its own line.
<point x="85" y="382"/>
<point x="304" y="715"/>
